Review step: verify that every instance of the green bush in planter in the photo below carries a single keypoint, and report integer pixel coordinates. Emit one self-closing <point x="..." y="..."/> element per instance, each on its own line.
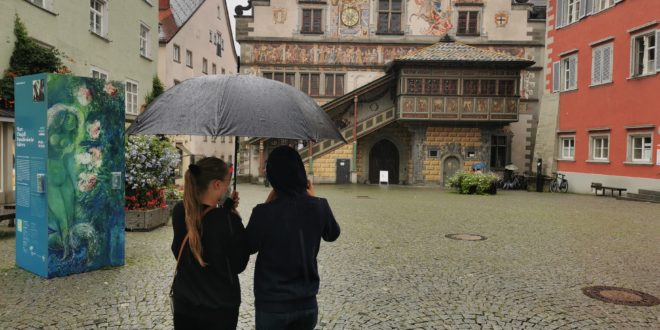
<point x="473" y="183"/>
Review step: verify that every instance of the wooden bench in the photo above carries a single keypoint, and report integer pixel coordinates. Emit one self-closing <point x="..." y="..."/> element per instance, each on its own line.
<point x="599" y="186"/>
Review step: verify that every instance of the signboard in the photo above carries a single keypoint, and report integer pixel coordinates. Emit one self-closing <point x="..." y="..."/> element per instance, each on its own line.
<point x="384" y="177"/>
<point x="69" y="174"/>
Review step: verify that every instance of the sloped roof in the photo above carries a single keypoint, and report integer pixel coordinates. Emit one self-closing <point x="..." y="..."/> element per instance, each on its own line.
<point x="174" y="14"/>
<point x="452" y="51"/>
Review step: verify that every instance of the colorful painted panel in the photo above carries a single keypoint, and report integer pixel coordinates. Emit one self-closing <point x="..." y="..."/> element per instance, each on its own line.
<point x="84" y="193"/>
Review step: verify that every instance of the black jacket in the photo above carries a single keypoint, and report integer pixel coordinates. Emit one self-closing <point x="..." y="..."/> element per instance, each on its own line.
<point x="199" y="290"/>
<point x="287" y="234"/>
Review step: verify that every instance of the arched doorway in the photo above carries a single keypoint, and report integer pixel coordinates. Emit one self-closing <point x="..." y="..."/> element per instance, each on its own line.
<point x="384" y="156"/>
<point x="450" y="166"/>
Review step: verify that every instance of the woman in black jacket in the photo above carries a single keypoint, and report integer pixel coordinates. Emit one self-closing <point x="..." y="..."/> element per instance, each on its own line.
<point x="206" y="289"/>
<point x="286" y="231"/>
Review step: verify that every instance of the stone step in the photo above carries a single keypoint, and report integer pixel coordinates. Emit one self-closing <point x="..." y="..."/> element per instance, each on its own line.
<point x="623" y="198"/>
<point x="641" y="198"/>
<point x="649" y="192"/>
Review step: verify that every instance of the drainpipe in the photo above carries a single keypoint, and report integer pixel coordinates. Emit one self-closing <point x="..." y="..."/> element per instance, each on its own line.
<point x="354" y="162"/>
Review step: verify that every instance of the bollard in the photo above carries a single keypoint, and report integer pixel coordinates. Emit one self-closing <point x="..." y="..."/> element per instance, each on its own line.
<point x="539" y="175"/>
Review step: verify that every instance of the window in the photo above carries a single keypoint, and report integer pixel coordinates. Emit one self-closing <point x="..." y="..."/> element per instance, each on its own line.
<point x="644" y="54"/>
<point x="176" y="82"/>
<point x="214" y="69"/>
<point x="219" y="11"/>
<point x="433" y="153"/>
<point x="468" y="23"/>
<point x="189" y="59"/>
<point x="601" y="64"/>
<point x="223" y="70"/>
<point x="640" y="147"/>
<point x="602" y="5"/>
<point x="97" y="17"/>
<point x="450" y="87"/>
<point x="470" y="86"/>
<point x="132" y="97"/>
<point x="600" y="147"/>
<point x="99" y="74"/>
<point x="176" y="53"/>
<point x="334" y="84"/>
<point x="45" y="4"/>
<point x="144" y="41"/>
<point x="568" y="148"/>
<point x="506" y="88"/>
<point x="205" y="66"/>
<point x="309" y="83"/>
<point x="414" y="86"/>
<point x="569" y="12"/>
<point x="312" y="19"/>
<point x="287" y="78"/>
<point x="565" y="74"/>
<point x="432" y="86"/>
<point x="222" y="139"/>
<point x="389" y="16"/>
<point x="488" y="87"/>
<point x="498" y="151"/>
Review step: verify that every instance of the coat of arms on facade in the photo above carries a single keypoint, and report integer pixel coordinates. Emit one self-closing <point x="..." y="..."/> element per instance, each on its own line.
<point x="279" y="15"/>
<point x="501" y="19"/>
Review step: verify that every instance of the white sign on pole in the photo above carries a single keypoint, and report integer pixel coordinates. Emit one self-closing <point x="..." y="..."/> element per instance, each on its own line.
<point x="384" y="177"/>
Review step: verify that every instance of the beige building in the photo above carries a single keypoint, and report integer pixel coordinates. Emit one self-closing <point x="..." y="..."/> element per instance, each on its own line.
<point x="332" y="48"/>
<point x="195" y="40"/>
<point x="113" y="40"/>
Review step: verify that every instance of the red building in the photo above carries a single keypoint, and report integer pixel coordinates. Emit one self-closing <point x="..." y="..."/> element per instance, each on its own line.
<point x="604" y="63"/>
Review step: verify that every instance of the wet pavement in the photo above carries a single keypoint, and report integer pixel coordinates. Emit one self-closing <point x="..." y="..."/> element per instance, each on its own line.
<point x="394" y="268"/>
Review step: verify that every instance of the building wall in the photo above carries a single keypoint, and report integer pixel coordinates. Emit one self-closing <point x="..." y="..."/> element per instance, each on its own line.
<point x="618" y="106"/>
<point x="66" y="26"/>
<point x="449" y="141"/>
<point x="325" y="167"/>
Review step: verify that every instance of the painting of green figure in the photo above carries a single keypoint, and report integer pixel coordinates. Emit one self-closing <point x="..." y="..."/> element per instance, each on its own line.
<point x="85" y="158"/>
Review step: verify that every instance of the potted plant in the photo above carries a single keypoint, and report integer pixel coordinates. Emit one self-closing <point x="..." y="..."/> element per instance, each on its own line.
<point x="473" y="183"/>
<point x="150" y="164"/>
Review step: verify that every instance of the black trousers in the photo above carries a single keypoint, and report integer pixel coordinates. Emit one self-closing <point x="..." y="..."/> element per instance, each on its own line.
<point x="220" y="319"/>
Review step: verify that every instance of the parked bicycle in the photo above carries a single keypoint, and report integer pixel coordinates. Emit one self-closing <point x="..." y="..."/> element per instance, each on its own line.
<point x="513" y="180"/>
<point x="559" y="183"/>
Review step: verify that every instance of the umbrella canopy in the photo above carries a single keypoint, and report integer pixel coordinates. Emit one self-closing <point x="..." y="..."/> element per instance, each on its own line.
<point x="511" y="167"/>
<point x="236" y="105"/>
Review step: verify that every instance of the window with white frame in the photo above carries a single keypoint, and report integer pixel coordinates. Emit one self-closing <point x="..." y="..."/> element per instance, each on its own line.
<point x="131" y="97"/>
<point x="176" y="53"/>
<point x="45" y="4"/>
<point x="565" y="74"/>
<point x="568" y="12"/>
<point x="99" y="74"/>
<point x="189" y="58"/>
<point x="144" y="40"/>
<point x="312" y="21"/>
<point x="644" y="53"/>
<point x="205" y="66"/>
<point x="600" y="145"/>
<point x="567" y="147"/>
<point x="640" y="147"/>
<point x="602" y="5"/>
<point x="468" y="23"/>
<point x="97" y="17"/>
<point x="601" y="64"/>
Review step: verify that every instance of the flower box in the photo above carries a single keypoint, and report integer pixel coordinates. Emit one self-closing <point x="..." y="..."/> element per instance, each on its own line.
<point x="144" y="220"/>
<point x="170" y="205"/>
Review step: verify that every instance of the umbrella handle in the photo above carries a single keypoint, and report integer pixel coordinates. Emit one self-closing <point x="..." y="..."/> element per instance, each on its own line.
<point x="235" y="160"/>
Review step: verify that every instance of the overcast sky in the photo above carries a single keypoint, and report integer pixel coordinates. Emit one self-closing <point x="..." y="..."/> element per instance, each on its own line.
<point x="231" y="4"/>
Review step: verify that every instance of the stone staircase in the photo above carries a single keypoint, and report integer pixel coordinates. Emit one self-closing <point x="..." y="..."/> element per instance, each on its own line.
<point x="642" y="195"/>
<point x="364" y="127"/>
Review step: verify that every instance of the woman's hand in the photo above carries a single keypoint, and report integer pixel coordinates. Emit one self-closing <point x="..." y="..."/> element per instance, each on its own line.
<point x="310" y="188"/>
<point x="272" y="196"/>
<point x="236" y="199"/>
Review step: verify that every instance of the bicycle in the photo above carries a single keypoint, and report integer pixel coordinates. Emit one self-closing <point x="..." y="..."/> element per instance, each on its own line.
<point x="559" y="183"/>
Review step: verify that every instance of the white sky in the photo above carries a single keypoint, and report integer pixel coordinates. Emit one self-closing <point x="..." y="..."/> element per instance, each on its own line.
<point x="231" y="4"/>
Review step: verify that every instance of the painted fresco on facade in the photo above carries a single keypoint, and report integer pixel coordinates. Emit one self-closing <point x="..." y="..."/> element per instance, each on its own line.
<point x="315" y="54"/>
<point x="431" y="17"/>
<point x="85" y="158"/>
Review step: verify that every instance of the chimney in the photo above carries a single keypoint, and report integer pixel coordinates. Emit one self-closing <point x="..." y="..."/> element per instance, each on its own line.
<point x="163" y="4"/>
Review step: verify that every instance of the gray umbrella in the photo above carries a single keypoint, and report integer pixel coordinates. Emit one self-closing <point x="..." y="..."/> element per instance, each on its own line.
<point x="236" y="105"/>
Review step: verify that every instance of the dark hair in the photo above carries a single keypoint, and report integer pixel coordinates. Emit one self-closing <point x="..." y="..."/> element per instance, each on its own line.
<point x="197" y="179"/>
<point x="286" y="172"/>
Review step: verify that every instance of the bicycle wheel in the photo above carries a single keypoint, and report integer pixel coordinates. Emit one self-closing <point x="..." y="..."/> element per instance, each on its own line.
<point x="553" y="186"/>
<point x="563" y="187"/>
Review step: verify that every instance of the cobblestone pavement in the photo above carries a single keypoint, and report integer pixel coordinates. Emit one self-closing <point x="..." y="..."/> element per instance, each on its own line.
<point x="393" y="268"/>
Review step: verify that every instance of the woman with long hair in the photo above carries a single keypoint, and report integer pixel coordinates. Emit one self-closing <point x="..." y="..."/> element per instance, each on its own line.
<point x="211" y="243"/>
<point x="286" y="231"/>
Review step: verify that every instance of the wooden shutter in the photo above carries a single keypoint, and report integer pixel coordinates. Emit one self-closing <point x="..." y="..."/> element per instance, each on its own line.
<point x="572" y="72"/>
<point x="608" y="52"/>
<point x="556" y="76"/>
<point x="339" y="85"/>
<point x="559" y="14"/>
<point x="596" y="65"/>
<point x="329" y="84"/>
<point x="657" y="51"/>
<point x="315" y="80"/>
<point x="307" y="20"/>
<point x="317" y="20"/>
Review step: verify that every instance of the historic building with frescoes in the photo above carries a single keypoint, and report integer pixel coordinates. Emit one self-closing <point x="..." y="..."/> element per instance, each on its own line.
<point x="419" y="88"/>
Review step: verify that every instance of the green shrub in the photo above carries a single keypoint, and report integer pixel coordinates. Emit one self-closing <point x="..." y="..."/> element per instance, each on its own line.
<point x="473" y="183"/>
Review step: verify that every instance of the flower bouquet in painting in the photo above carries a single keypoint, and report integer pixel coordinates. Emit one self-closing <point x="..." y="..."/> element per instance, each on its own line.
<point x="150" y="165"/>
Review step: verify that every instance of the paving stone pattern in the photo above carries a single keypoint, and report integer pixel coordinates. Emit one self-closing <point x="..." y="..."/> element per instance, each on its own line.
<point x="393" y="267"/>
